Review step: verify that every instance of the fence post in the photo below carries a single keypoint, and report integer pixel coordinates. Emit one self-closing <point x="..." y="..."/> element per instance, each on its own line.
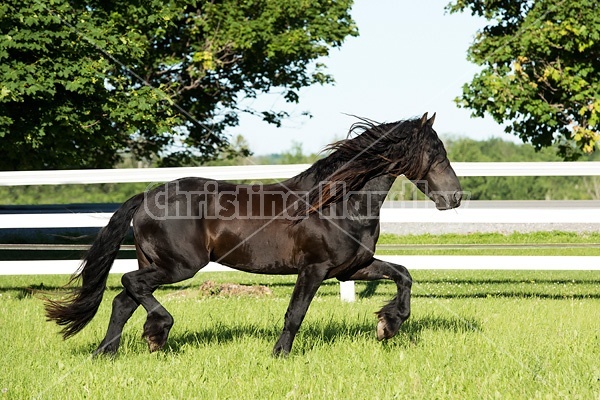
<point x="347" y="291"/>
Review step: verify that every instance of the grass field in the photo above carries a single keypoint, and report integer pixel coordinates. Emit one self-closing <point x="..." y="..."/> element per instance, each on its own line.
<point x="550" y="243"/>
<point x="472" y="335"/>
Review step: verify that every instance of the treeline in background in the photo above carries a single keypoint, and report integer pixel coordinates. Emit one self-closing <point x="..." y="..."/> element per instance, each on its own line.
<point x="459" y="149"/>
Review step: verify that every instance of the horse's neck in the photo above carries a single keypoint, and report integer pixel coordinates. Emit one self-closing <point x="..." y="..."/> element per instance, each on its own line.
<point x="371" y="196"/>
<point x="303" y="182"/>
<point x="372" y="193"/>
<point x="380" y="186"/>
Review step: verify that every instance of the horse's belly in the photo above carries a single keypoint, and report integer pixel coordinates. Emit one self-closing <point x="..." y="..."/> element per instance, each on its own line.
<point x="261" y="256"/>
<point x="274" y="268"/>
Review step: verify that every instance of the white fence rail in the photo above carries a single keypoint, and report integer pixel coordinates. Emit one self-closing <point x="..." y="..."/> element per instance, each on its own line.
<point x="465" y="214"/>
<point x="249" y="172"/>
<point x="537" y="212"/>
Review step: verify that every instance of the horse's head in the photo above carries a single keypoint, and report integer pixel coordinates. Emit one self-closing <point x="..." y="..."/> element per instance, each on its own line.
<point x="410" y="148"/>
<point x="429" y="168"/>
<point x="437" y="179"/>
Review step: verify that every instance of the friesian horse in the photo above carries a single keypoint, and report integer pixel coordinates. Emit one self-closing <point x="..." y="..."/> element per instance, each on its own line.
<point x="320" y="224"/>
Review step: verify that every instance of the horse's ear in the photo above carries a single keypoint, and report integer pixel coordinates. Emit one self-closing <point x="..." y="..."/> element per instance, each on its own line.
<point x="424" y="119"/>
<point x="430" y="121"/>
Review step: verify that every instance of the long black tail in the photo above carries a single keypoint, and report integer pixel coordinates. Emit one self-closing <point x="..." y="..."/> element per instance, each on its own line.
<point x="79" y="308"/>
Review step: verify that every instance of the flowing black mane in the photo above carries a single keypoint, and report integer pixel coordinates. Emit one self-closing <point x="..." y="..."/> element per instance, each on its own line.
<point x="396" y="148"/>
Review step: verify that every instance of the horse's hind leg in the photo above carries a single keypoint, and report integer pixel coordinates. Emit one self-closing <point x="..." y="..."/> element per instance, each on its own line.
<point x="141" y="284"/>
<point x="123" y="307"/>
<point x="393" y="314"/>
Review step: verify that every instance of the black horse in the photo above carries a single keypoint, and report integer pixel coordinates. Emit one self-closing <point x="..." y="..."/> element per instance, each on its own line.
<point x="320" y="224"/>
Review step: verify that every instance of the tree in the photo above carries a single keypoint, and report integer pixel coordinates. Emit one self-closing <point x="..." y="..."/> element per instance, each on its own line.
<point x="236" y="153"/>
<point x="541" y="70"/>
<point x="83" y="82"/>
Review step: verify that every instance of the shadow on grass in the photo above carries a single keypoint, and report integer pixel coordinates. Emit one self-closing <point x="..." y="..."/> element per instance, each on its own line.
<point x="29" y="291"/>
<point x="311" y="335"/>
<point x="412" y="330"/>
<point x="218" y="335"/>
<point x="369" y="290"/>
<point x="327" y="332"/>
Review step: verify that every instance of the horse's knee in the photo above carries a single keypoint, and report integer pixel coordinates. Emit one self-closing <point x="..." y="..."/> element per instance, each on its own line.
<point x="140" y="283"/>
<point x="127" y="282"/>
<point x="406" y="279"/>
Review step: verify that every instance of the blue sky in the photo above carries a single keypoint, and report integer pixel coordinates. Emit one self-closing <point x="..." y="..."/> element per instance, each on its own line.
<point x="409" y="58"/>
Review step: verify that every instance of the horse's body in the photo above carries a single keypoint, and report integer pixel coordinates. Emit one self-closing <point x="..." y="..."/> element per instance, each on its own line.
<point x="323" y="223"/>
<point x="259" y="237"/>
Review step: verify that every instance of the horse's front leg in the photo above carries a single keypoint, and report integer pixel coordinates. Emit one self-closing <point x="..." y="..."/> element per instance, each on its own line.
<point x="309" y="280"/>
<point x="393" y="314"/>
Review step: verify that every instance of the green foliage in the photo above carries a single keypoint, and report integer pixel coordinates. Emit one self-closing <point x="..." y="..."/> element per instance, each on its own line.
<point x="66" y="194"/>
<point x="83" y="82"/>
<point x="530" y="238"/>
<point x="237" y="152"/>
<point x="294" y="155"/>
<point x="507" y="187"/>
<point x="540" y="71"/>
<point x="515" y="187"/>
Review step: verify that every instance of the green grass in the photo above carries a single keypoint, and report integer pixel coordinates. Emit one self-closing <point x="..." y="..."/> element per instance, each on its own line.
<point x="552" y="243"/>
<point x="472" y="335"/>
<point x="493" y="238"/>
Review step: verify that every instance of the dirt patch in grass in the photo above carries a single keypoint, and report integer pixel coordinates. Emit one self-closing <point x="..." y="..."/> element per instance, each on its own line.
<point x="211" y="288"/>
<point x="214" y="289"/>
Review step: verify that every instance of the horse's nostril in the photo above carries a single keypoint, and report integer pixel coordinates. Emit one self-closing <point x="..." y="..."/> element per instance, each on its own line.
<point x="457" y="196"/>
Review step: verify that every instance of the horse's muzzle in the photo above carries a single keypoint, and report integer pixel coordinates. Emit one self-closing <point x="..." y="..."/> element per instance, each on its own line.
<point x="448" y="201"/>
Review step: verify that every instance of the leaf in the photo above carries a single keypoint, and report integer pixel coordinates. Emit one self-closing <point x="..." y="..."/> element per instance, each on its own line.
<point x="4" y="92"/>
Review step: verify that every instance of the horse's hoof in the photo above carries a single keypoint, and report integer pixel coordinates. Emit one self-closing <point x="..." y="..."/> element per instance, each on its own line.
<point x="284" y="345"/>
<point x="280" y="353"/>
<point x="380" y="330"/>
<point x="383" y="331"/>
<point x="153" y="347"/>
<point x="154" y="344"/>
<point x="105" y="351"/>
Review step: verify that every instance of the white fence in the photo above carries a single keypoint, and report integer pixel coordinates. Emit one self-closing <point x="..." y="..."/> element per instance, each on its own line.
<point x="20" y="178"/>
<point x="464" y="214"/>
